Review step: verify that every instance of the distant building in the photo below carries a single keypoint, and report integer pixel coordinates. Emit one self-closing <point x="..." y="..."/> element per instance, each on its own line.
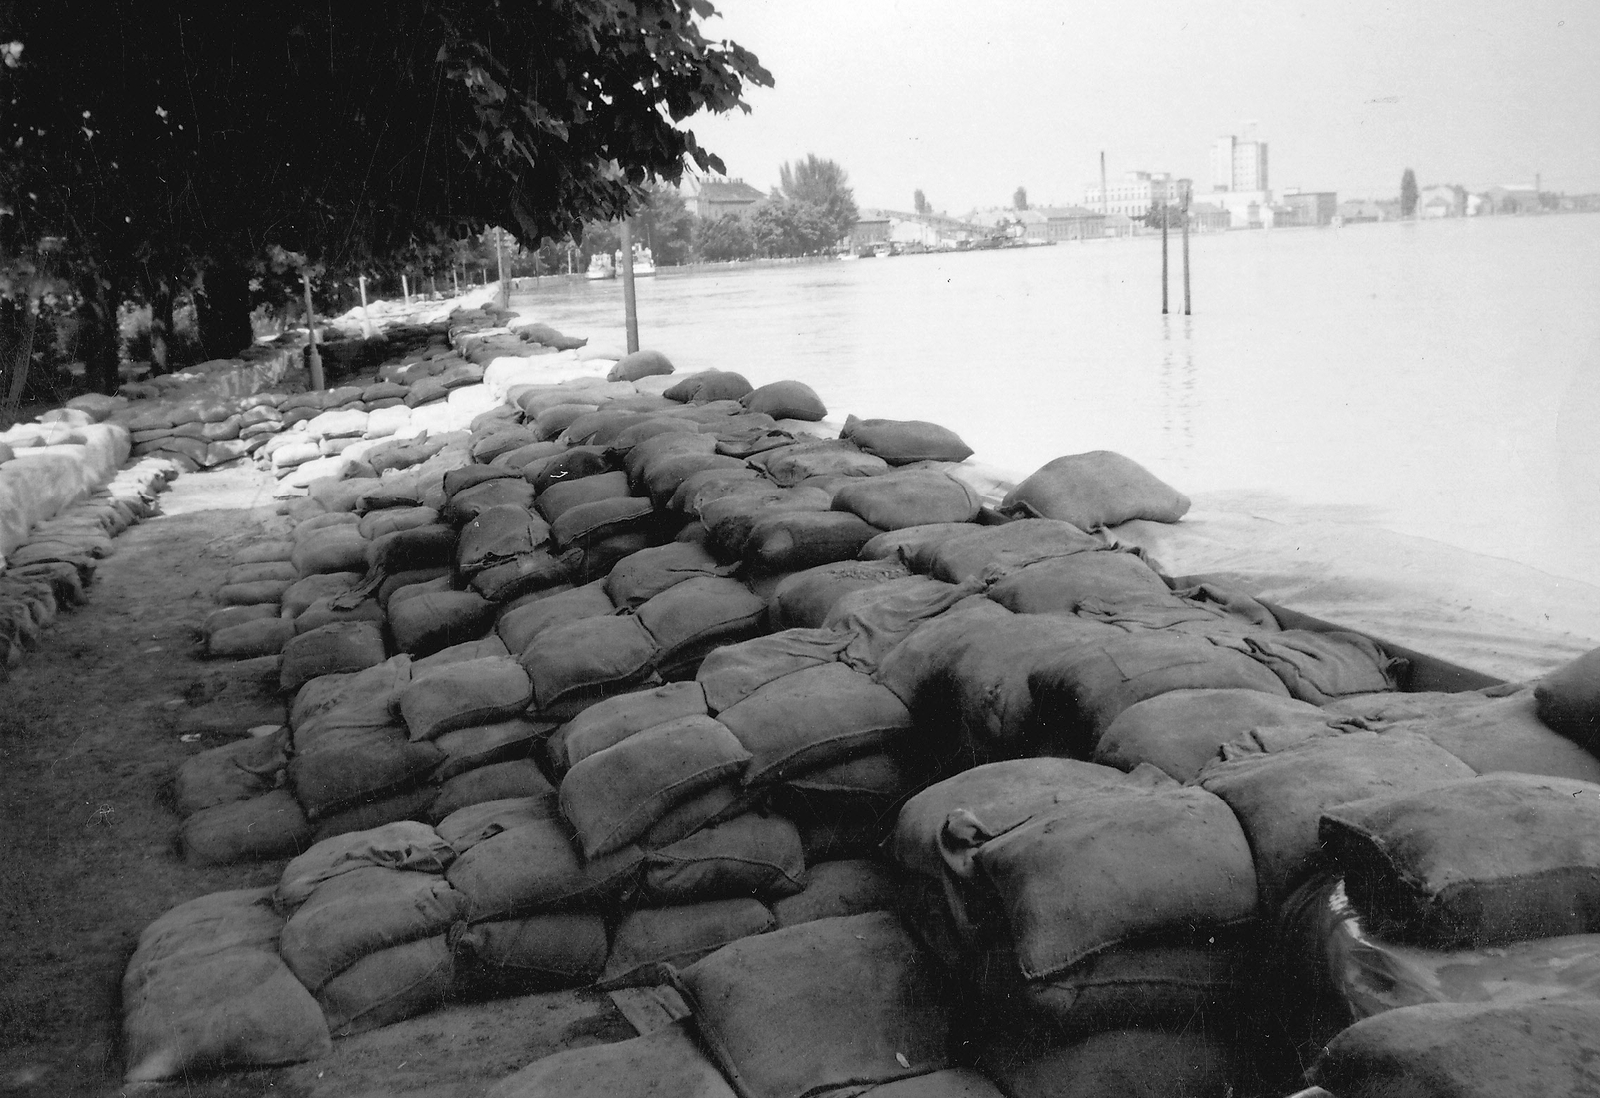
<point x="1246" y="209"/>
<point x="869" y="230"/>
<point x="1447" y="200"/>
<point x="715" y="197"/>
<point x="1056" y="224"/>
<point x="1353" y="211"/>
<point x="1239" y="164"/>
<point x="1307" y="208"/>
<point x="1511" y="198"/>
<point x="1134" y="194"/>
<point x="1204" y="217"/>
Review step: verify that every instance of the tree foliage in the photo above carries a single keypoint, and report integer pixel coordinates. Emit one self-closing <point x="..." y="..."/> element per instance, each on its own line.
<point x="1019" y="198"/>
<point x="725" y="237"/>
<point x="919" y="201"/>
<point x="822" y="189"/>
<point x="1408" y="193"/>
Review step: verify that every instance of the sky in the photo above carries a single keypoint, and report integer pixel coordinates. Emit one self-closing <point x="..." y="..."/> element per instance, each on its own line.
<point x="967" y="101"/>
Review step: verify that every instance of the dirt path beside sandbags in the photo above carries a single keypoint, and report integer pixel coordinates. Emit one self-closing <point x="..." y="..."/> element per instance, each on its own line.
<point x="93" y="725"/>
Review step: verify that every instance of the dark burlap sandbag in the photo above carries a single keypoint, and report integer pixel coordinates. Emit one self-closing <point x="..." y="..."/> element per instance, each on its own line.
<point x="330" y="610"/>
<point x="346" y="766"/>
<point x="863" y="792"/>
<point x="368" y="909"/>
<point x="880" y="617"/>
<point x="575" y="665"/>
<point x="573" y="464"/>
<point x="427" y="623"/>
<point x="600" y="427"/>
<point x="903" y="441"/>
<point x="1489" y="730"/>
<point x="205" y="989"/>
<point x="466" y="827"/>
<point x="1062" y="585"/>
<point x="734" y="672"/>
<point x="468" y="503"/>
<point x="826" y="1003"/>
<point x="589" y="524"/>
<point x="615" y="719"/>
<point x="1279" y="797"/>
<point x="638" y="578"/>
<point x="911" y="497"/>
<point x="648" y="939"/>
<point x="503" y="441"/>
<point x="300" y="596"/>
<point x="793" y="540"/>
<point x="485" y="744"/>
<point x="750" y="855"/>
<point x="786" y="400"/>
<point x="1569" y="700"/>
<point x="613" y="796"/>
<point x="1320" y="667"/>
<point x="271" y="825"/>
<point x="811" y="718"/>
<point x="708" y="385"/>
<point x="235" y="771"/>
<point x="665" y="1064"/>
<point x="989" y="552"/>
<point x="524" y="457"/>
<point x="664" y="475"/>
<point x="1079" y="691"/>
<point x="389" y="986"/>
<point x="707" y="485"/>
<point x="1114" y="866"/>
<point x="404" y="845"/>
<point x="525" y="574"/>
<point x="1499" y="858"/>
<point x="691" y="618"/>
<point x="852" y="886"/>
<point x="914" y="546"/>
<point x="463" y="694"/>
<point x="1181" y="731"/>
<point x="914" y="665"/>
<point x="497" y="535"/>
<point x="390" y="519"/>
<point x="534" y="867"/>
<point x="513" y="778"/>
<point x="330" y="649"/>
<point x="803" y="600"/>
<point x="468" y="476"/>
<point x="330" y="549"/>
<point x="521" y="626"/>
<point x="789" y="465"/>
<point x="705" y="809"/>
<point x="663" y="446"/>
<point x="731" y="518"/>
<point x="531" y="954"/>
<point x="1099" y="488"/>
<point x="649" y="427"/>
<point x="567" y="494"/>
<point x="1466" y="1050"/>
<point x="407" y="805"/>
<point x="1121" y="1063"/>
<point x="596" y="561"/>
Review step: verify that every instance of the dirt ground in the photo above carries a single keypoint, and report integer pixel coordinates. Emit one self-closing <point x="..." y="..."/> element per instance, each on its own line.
<point x="93" y="725"/>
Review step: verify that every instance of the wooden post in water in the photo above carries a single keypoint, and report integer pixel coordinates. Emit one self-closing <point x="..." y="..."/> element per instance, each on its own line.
<point x="366" y="321"/>
<point x="455" y="277"/>
<point x="630" y="309"/>
<point x="314" y="360"/>
<point x="1163" y="256"/>
<point x="1186" y="251"/>
<point x="405" y="288"/>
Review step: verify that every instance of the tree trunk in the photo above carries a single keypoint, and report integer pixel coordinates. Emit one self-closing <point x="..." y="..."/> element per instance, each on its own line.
<point x="222" y="306"/>
<point x="97" y="334"/>
<point x="17" y="327"/>
<point x="161" y="328"/>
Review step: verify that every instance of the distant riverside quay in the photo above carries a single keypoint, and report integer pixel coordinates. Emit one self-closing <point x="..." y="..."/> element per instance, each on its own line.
<point x="1436" y="378"/>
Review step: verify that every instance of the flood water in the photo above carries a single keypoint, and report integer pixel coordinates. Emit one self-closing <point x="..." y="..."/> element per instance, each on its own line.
<point x="1439" y="379"/>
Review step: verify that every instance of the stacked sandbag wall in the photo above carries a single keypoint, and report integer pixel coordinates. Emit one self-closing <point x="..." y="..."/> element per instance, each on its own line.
<point x="636" y="680"/>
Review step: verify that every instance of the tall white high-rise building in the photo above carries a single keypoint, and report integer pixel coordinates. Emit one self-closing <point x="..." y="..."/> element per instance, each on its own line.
<point x="1239" y="163"/>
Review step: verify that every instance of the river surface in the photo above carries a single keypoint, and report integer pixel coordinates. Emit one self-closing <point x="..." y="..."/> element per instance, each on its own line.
<point x="1438" y="379"/>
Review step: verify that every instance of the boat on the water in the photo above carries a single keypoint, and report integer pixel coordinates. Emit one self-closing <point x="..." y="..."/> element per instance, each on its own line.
<point x="601" y="266"/>
<point x="644" y="262"/>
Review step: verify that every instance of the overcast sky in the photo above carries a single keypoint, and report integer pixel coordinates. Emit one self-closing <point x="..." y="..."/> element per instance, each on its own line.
<point x="967" y="100"/>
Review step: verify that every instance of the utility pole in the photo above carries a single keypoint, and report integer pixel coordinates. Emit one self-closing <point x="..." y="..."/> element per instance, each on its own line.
<point x="1163" y="255"/>
<point x="314" y="360"/>
<point x="1186" y="251"/>
<point x="1103" y="183"/>
<point x="630" y="310"/>
<point x="366" y="320"/>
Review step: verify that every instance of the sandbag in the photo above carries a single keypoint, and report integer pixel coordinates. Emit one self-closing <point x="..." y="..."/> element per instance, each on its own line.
<point x="498" y="535"/>
<point x="237" y="594"/>
<point x="667" y="1063"/>
<point x="404" y="845"/>
<point x="1182" y="730"/>
<point x="790" y="465"/>
<point x="235" y="771"/>
<point x="464" y="694"/>
<point x="271" y="825"/>
<point x="520" y="626"/>
<point x="429" y="622"/>
<point x="914" y="546"/>
<point x="836" y="889"/>
<point x="640" y="577"/>
<point x="484" y="744"/>
<point x="709" y="484"/>
<point x="904" y="441"/>
<point x="534" y="867"/>
<point x="262" y="637"/>
<point x="786" y="400"/>
<point x="330" y="649"/>
<point x="466" y="827"/>
<point x="1120" y="1063"/>
<point x="1279" y="797"/>
<point x="588" y="524"/>
<point x="388" y="986"/>
<point x="822" y="1004"/>
<point x="297" y="599"/>
<point x="401" y="806"/>
<point x="651" y="938"/>
<point x="613" y="796"/>
<point x="646" y="363"/>
<point x="572" y="464"/>
<point x="750" y="855"/>
<point x="205" y="989"/>
<point x="1099" y="488"/>
<point x="1568" y="700"/>
<point x="912" y="497"/>
<point x="803" y="600"/>
<point x="1064" y="584"/>
<point x="989" y="552"/>
<point x="531" y="954"/>
<point x="611" y="721"/>
<point x="1320" y="667"/>
<point x="265" y="570"/>
<point x="1498" y="858"/>
<point x="326" y="611"/>
<point x="469" y="503"/>
<point x="562" y="497"/>
<point x="689" y="619"/>
<point x="813" y="717"/>
<point x="730" y="518"/>
<point x="577" y="664"/>
<point x="879" y="618"/>
<point x="1494" y="729"/>
<point x="511" y="779"/>
<point x="1080" y="690"/>
<point x="330" y="549"/>
<point x="864" y="791"/>
<point x="788" y="541"/>
<point x="1466" y="1050"/>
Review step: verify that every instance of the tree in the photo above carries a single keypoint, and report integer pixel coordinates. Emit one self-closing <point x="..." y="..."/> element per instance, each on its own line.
<point x="665" y="225"/>
<point x="1408" y="193"/>
<point x="725" y="237"/>
<point x="919" y="201"/>
<point x="176" y="138"/>
<point x="823" y="186"/>
<point x="1019" y="200"/>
